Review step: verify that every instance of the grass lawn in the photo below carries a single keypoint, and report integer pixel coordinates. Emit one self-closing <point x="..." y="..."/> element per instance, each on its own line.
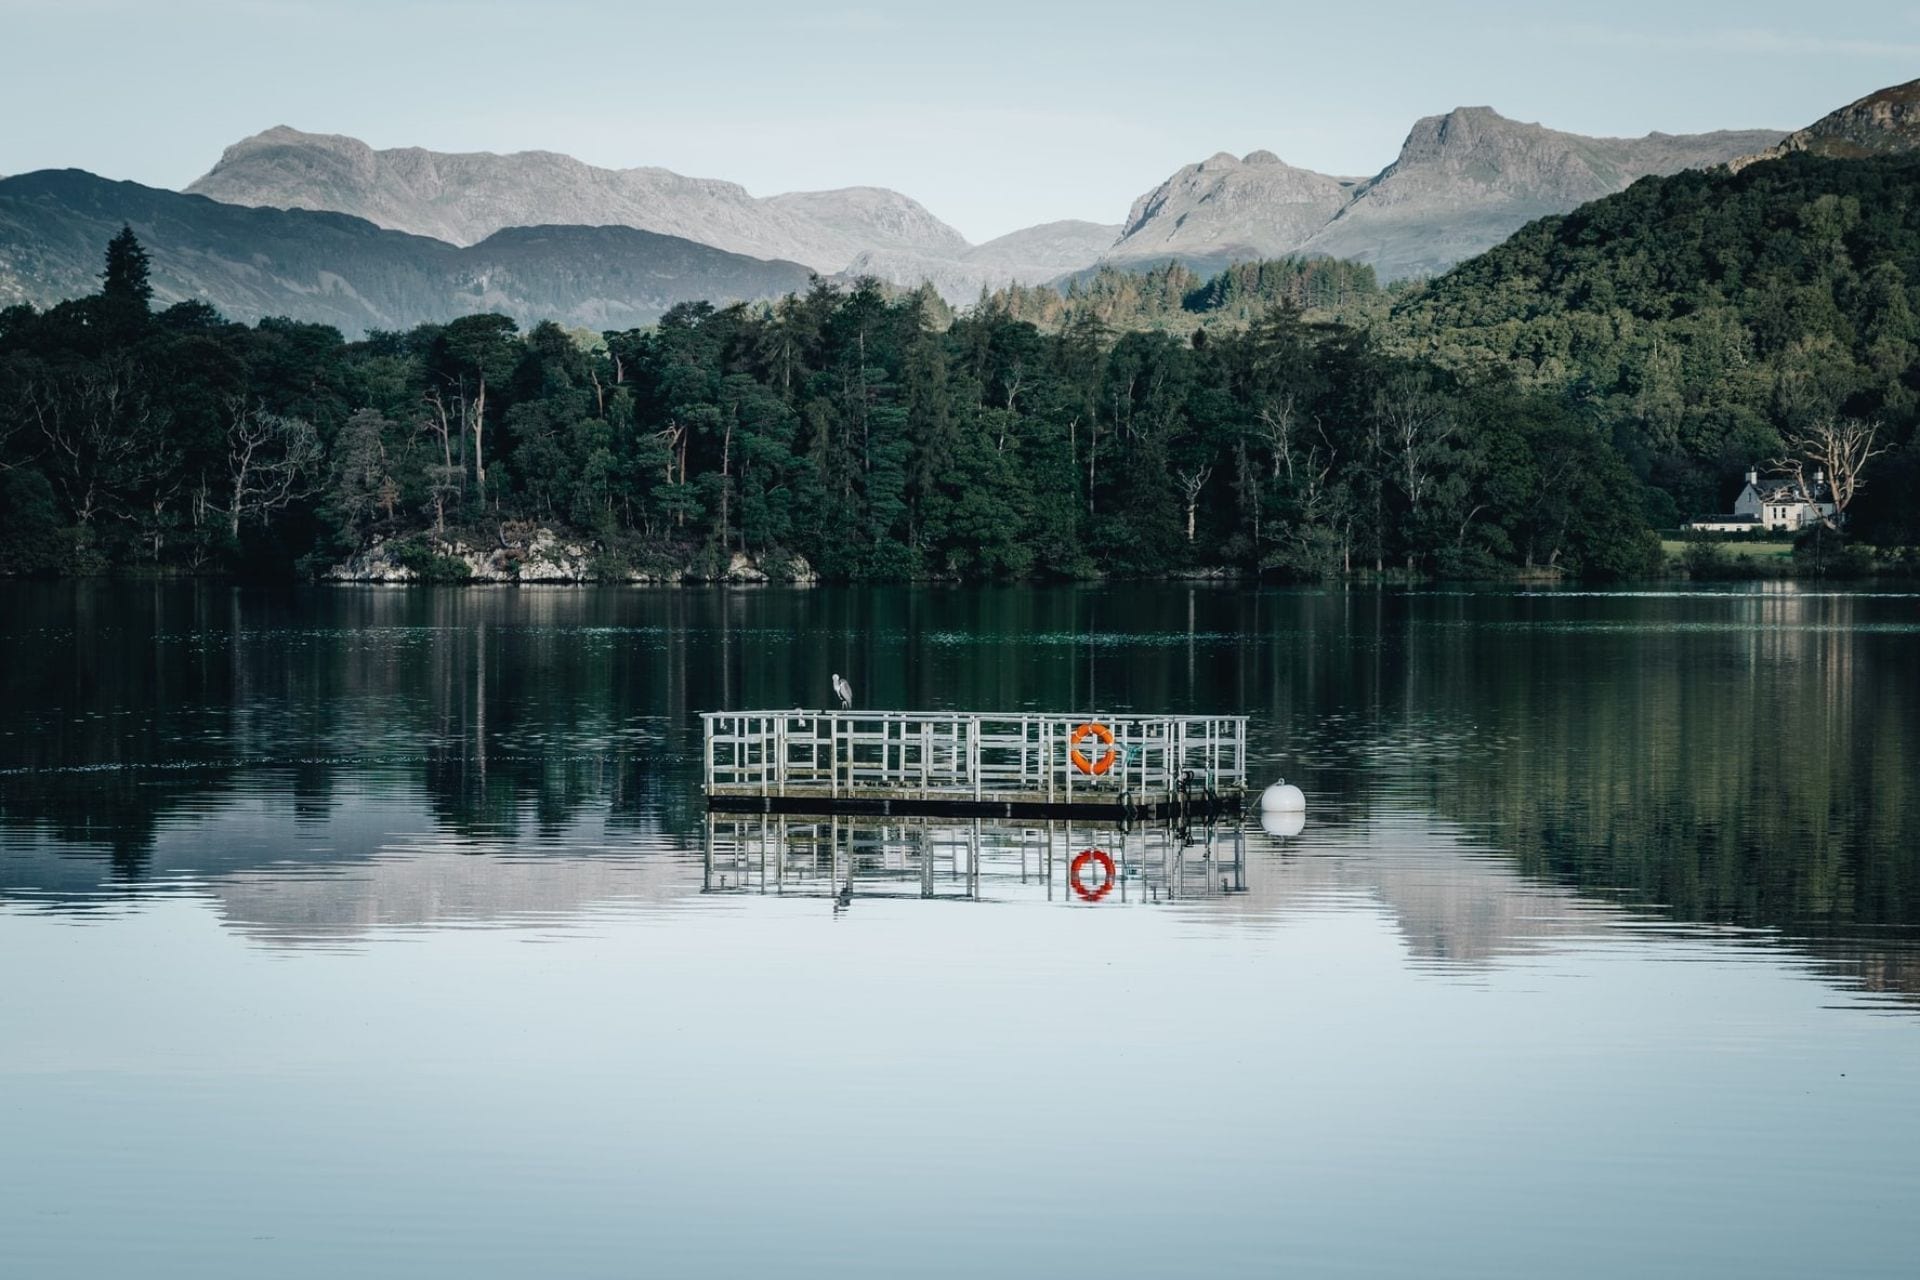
<point x="1736" y="549"/>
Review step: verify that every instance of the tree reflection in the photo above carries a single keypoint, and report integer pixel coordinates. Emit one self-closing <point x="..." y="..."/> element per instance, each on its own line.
<point x="1742" y="759"/>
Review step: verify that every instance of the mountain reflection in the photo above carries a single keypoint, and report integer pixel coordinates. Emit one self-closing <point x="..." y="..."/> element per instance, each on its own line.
<point x="1496" y="772"/>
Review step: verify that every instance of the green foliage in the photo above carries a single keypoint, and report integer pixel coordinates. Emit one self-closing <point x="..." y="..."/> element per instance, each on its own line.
<point x="429" y="565"/>
<point x="1705" y="317"/>
<point x="868" y="432"/>
<point x="125" y="281"/>
<point x="1826" y="553"/>
<point x="1170" y="296"/>
<point x="31" y="535"/>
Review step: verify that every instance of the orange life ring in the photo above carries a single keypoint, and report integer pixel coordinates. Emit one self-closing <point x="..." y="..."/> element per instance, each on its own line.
<point x="1079" y="864"/>
<point x="1079" y="757"/>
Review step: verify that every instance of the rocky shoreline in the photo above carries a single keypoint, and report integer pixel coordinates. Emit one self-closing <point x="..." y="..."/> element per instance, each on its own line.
<point x="545" y="557"/>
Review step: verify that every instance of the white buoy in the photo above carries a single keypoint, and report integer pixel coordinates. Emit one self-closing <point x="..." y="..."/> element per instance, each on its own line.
<point x="1283" y="797"/>
<point x="1283" y="825"/>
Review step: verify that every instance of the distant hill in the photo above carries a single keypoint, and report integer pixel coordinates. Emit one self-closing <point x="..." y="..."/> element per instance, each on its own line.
<point x="1883" y="123"/>
<point x="1172" y="297"/>
<point x="1257" y="206"/>
<point x="1462" y="183"/>
<point x="1035" y="254"/>
<point x="1701" y="313"/>
<point x="462" y="198"/>
<point x="334" y="269"/>
<point x="1465" y="181"/>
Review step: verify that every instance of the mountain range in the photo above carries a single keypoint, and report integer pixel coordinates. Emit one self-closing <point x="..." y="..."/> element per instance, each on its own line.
<point x="1462" y="183"/>
<point x="326" y="228"/>
<point x="462" y="198"/>
<point x="330" y="268"/>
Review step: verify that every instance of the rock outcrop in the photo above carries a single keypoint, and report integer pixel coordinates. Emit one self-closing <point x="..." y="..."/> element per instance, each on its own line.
<point x="1254" y="206"/>
<point x="542" y="557"/>
<point x="1462" y="183"/>
<point x="1465" y="181"/>
<point x="1883" y="123"/>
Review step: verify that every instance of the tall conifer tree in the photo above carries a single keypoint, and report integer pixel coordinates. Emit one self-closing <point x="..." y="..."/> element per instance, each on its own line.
<point x="126" y="274"/>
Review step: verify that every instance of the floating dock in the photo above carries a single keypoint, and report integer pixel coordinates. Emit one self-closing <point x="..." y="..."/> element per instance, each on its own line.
<point x="968" y="764"/>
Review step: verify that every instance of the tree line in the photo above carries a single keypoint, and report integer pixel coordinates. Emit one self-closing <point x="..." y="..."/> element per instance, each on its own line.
<point x="1712" y="321"/>
<point x="845" y="426"/>
<point x="1542" y="408"/>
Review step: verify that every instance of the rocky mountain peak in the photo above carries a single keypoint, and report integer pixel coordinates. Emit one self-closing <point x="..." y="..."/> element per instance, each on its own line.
<point x="1462" y="182"/>
<point x="877" y="216"/>
<point x="1251" y="205"/>
<point x="464" y="197"/>
<point x="1478" y="144"/>
<point x="1885" y="122"/>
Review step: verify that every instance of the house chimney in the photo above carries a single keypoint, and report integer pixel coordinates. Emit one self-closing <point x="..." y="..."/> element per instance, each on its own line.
<point x="1819" y="477"/>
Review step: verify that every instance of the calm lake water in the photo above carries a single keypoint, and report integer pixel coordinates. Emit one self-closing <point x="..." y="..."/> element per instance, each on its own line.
<point x="373" y="932"/>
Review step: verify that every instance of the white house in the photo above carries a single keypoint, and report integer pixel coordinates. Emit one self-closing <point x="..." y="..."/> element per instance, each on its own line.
<point x="1778" y="503"/>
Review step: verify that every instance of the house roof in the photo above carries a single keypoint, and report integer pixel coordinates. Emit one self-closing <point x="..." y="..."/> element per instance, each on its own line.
<point x="1787" y="490"/>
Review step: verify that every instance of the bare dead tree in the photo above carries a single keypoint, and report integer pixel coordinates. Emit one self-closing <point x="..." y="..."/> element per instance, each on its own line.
<point x="439" y="424"/>
<point x="444" y="480"/>
<point x="474" y="412"/>
<point x="444" y="484"/>
<point x="1418" y="427"/>
<point x="1246" y="484"/>
<point x="272" y="462"/>
<point x="1276" y="428"/>
<point x="1840" y="447"/>
<point x="1191" y="485"/>
<point x="1411" y="429"/>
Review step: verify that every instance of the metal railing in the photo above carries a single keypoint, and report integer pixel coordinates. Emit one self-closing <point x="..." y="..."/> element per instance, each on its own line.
<point x="968" y="755"/>
<point x="968" y="859"/>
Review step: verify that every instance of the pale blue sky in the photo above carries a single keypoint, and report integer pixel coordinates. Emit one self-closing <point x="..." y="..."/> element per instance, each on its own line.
<point x="994" y="114"/>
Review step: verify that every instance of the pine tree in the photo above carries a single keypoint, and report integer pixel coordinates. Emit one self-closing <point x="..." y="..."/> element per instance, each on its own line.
<point x="126" y="274"/>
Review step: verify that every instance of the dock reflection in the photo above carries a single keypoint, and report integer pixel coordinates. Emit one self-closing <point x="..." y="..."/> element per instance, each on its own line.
<point x="844" y="858"/>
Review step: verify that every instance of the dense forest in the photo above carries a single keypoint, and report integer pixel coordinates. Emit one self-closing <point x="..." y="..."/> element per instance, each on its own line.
<point x="1705" y="317"/>
<point x="1171" y="296"/>
<point x="1542" y="408"/>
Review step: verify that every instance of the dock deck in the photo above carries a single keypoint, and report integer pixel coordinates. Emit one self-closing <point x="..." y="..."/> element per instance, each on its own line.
<point x="959" y="764"/>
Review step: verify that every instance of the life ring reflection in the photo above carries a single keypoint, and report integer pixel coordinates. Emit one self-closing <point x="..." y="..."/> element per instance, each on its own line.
<point x="1092" y="858"/>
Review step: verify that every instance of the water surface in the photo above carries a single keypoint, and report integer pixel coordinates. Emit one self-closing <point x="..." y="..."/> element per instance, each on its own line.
<point x="381" y="932"/>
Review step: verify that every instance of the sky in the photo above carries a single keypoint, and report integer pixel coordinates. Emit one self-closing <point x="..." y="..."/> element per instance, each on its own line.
<point x="994" y="114"/>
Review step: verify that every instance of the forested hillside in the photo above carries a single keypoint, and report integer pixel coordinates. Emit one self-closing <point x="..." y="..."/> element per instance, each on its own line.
<point x="1541" y="408"/>
<point x="842" y="426"/>
<point x="1172" y="296"/>
<point x="1704" y="317"/>
<point x="329" y="268"/>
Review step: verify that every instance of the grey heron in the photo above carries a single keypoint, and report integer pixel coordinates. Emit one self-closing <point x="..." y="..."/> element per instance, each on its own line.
<point x="843" y="691"/>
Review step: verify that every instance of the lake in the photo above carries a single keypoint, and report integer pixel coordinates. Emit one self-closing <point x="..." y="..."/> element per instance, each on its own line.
<point x="382" y="933"/>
